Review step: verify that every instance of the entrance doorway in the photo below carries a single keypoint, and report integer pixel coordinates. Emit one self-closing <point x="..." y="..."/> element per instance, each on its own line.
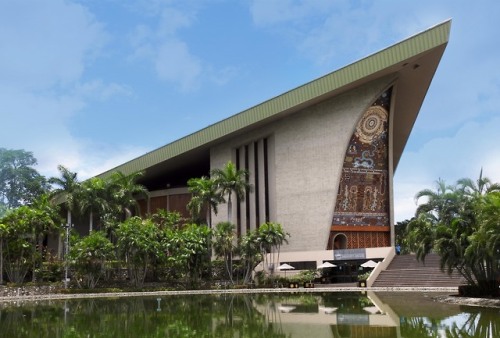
<point x="340" y="242"/>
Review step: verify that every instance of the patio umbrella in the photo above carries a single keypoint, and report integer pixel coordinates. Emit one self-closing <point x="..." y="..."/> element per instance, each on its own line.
<point x="286" y="309"/>
<point x="369" y="264"/>
<point x="285" y="267"/>
<point x="326" y="265"/>
<point x="372" y="309"/>
<point x="327" y="310"/>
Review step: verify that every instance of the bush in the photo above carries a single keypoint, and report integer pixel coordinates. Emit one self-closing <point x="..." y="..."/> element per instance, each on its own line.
<point x="52" y="271"/>
<point x="305" y="276"/>
<point x="89" y="256"/>
<point x="364" y="276"/>
<point x="475" y="292"/>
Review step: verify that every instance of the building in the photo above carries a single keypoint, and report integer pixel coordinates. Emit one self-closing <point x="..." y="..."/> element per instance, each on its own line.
<point x="321" y="157"/>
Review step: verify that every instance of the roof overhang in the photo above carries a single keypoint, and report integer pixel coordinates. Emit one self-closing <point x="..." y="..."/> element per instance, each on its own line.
<point x="412" y="62"/>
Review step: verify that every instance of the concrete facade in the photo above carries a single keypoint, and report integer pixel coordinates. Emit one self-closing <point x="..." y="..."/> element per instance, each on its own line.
<point x="309" y="148"/>
<point x="296" y="149"/>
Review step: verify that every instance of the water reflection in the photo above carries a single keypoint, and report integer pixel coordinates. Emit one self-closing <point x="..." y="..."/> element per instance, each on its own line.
<point x="332" y="315"/>
<point x="282" y="315"/>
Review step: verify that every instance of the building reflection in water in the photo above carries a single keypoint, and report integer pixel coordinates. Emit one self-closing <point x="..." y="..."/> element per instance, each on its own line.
<point x="278" y="315"/>
<point x="332" y="315"/>
<point x="354" y="315"/>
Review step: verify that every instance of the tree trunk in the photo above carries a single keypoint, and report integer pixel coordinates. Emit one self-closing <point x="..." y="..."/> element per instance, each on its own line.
<point x="1" y="261"/>
<point x="209" y="217"/>
<point x="229" y="209"/>
<point x="91" y="221"/>
<point x="33" y="275"/>
<point x="60" y="245"/>
<point x="229" y="267"/>
<point x="39" y="248"/>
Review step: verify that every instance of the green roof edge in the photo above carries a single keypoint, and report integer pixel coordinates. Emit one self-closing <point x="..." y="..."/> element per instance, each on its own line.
<point x="412" y="46"/>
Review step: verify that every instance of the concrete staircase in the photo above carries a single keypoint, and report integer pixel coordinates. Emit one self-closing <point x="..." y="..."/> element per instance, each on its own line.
<point x="406" y="271"/>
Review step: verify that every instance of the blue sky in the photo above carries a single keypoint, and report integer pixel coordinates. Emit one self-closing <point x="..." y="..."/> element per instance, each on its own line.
<point x="91" y="84"/>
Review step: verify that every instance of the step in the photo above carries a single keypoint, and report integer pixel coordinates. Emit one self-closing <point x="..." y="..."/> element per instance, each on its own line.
<point x="406" y="270"/>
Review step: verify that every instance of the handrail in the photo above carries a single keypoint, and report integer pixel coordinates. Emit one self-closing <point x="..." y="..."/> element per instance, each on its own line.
<point x="381" y="266"/>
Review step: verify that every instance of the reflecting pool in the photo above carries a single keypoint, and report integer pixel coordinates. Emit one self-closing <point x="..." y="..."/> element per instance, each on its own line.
<point x="334" y="314"/>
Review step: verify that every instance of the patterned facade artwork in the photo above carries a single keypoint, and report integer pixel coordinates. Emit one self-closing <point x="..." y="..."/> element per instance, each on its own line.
<point x="363" y="198"/>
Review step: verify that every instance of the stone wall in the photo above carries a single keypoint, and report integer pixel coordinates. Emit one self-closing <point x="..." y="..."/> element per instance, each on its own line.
<point x="309" y="148"/>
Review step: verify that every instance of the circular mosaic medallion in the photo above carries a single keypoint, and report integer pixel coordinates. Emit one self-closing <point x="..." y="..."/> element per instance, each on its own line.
<point x="371" y="124"/>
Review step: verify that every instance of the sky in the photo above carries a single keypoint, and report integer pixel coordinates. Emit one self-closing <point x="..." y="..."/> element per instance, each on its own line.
<point x="91" y="84"/>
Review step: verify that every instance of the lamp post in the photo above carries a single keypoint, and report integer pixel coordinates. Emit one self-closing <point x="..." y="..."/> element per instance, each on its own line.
<point x="66" y="253"/>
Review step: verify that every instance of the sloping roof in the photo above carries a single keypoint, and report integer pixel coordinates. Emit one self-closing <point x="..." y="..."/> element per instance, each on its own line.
<point x="423" y="51"/>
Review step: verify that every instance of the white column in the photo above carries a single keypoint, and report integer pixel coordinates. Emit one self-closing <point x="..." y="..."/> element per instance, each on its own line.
<point x="251" y="180"/>
<point x="262" y="182"/>
<point x="243" y="209"/>
<point x="390" y="171"/>
<point x="271" y="177"/>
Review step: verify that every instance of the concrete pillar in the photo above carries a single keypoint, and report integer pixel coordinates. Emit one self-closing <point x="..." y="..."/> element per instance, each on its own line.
<point x="243" y="219"/>
<point x="251" y="180"/>
<point x="262" y="182"/>
<point x="271" y="177"/>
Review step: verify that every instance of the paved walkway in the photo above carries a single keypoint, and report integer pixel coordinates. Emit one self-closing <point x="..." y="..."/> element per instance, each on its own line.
<point x="452" y="290"/>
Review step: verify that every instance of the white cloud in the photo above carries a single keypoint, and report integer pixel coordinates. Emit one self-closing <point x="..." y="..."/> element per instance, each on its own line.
<point x="94" y="158"/>
<point x="326" y="32"/>
<point x="331" y="33"/>
<point x="98" y="90"/>
<point x="223" y="76"/>
<point x="170" y="55"/>
<point x="87" y="158"/>
<point x="445" y="141"/>
<point x="472" y="147"/>
<point x="269" y="13"/>
<point x="174" y="62"/>
<point x="45" y="50"/>
<point x="39" y="124"/>
<point x="171" y="20"/>
<point x="46" y="43"/>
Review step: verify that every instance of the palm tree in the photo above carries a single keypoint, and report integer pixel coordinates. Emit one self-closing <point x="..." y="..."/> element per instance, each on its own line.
<point x="421" y="234"/>
<point x="271" y="237"/>
<point x="442" y="203"/>
<point x="223" y="245"/>
<point x="92" y="198"/>
<point x="461" y="224"/>
<point x="124" y="191"/>
<point x="249" y="252"/>
<point x="480" y="187"/>
<point x="231" y="180"/>
<point x="483" y="252"/>
<point x="69" y="187"/>
<point x="45" y="220"/>
<point x="205" y="194"/>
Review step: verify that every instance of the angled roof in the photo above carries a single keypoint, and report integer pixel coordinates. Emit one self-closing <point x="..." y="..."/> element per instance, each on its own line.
<point x="413" y="61"/>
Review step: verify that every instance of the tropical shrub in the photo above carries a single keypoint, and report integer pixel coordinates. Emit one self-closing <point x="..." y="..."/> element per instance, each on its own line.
<point x="271" y="237"/>
<point x="250" y="254"/>
<point x="22" y="231"/>
<point x="461" y="224"/>
<point x="224" y="245"/>
<point x="138" y="243"/>
<point x="88" y="258"/>
<point x="305" y="276"/>
<point x="188" y="251"/>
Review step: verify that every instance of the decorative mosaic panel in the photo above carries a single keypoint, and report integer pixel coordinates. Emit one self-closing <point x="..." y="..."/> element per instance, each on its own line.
<point x="363" y="198"/>
<point x="358" y="239"/>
